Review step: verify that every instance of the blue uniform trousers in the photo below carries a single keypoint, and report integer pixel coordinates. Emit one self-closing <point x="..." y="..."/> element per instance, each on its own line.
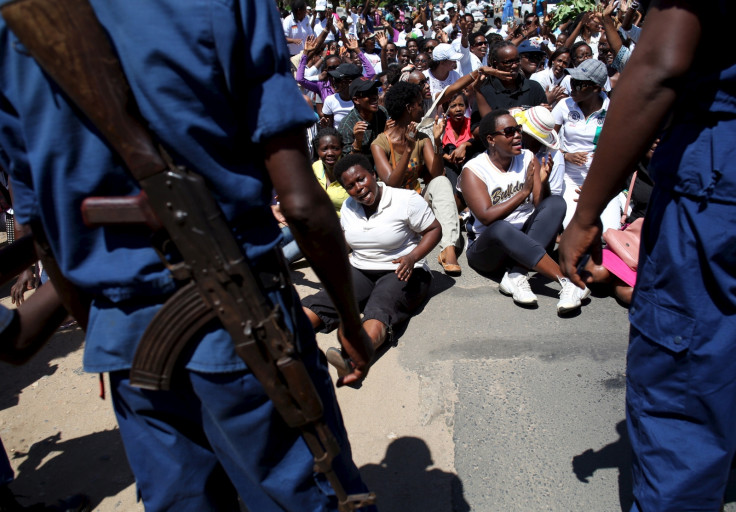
<point x="681" y="363"/>
<point x="217" y="435"/>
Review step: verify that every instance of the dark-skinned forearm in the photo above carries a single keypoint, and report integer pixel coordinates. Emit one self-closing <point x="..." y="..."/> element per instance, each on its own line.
<point x="312" y="220"/>
<point x="644" y="95"/>
<point x="430" y="238"/>
<point x="39" y="317"/>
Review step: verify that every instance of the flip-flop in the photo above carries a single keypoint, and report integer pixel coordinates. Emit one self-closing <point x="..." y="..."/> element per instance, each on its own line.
<point x="341" y="364"/>
<point x="449" y="268"/>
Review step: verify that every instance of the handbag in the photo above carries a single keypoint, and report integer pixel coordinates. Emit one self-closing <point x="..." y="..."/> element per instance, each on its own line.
<point x="624" y="242"/>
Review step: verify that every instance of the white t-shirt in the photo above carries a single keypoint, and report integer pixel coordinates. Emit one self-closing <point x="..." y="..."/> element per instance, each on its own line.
<point x="436" y="85"/>
<point x="390" y="233"/>
<point x="546" y="78"/>
<point x="502" y="185"/>
<point x="374" y="59"/>
<point x="470" y="62"/>
<point x="321" y="25"/>
<point x="578" y="134"/>
<point x="335" y="106"/>
<point x="594" y="39"/>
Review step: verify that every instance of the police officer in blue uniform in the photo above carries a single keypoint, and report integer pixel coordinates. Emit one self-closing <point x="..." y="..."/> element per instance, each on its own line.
<point x="212" y="79"/>
<point x="681" y="390"/>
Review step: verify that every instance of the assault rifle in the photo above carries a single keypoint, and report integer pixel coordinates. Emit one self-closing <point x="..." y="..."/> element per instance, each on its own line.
<point x="68" y="42"/>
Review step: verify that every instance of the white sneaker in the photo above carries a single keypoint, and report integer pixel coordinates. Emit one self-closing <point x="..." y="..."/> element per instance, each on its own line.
<point x="518" y="287"/>
<point x="571" y="296"/>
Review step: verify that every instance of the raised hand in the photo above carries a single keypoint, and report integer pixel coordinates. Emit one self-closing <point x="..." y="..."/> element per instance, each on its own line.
<point x="382" y="39"/>
<point x="438" y="128"/>
<point x="310" y="44"/>
<point x="353" y="44"/>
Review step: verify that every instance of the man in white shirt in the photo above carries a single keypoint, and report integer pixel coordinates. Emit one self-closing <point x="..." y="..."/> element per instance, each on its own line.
<point x="296" y="27"/>
<point x="319" y="24"/>
<point x="473" y="47"/>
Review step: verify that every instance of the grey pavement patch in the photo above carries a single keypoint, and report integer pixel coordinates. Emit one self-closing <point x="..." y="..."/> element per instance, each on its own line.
<point x="535" y="436"/>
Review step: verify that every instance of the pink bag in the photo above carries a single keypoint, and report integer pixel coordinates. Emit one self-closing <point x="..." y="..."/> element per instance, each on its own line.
<point x="625" y="242"/>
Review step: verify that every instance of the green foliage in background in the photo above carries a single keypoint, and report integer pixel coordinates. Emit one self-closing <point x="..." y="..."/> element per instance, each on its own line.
<point x="570" y="9"/>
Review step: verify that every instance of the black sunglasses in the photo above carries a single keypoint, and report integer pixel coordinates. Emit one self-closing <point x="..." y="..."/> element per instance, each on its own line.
<point x="509" y="62"/>
<point x="509" y="131"/>
<point x="532" y="56"/>
<point x="579" y="85"/>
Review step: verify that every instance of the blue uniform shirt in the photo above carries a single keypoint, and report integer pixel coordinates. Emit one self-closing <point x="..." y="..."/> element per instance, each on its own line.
<point x="213" y="89"/>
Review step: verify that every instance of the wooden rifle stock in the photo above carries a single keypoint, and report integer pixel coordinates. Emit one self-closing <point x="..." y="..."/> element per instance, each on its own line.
<point x="66" y="39"/>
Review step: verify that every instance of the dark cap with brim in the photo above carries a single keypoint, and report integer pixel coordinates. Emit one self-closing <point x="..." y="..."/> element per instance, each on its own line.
<point x="362" y="84"/>
<point x="346" y="70"/>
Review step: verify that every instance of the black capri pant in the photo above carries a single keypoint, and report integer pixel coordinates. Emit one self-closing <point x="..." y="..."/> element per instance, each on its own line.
<point x="501" y="242"/>
<point x="380" y="295"/>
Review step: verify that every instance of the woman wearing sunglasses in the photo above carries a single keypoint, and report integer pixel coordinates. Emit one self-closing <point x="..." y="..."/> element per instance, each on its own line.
<point x="512" y="220"/>
<point x="579" y="120"/>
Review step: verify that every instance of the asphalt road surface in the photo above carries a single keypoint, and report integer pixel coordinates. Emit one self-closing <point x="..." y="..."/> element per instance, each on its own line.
<point x="482" y="405"/>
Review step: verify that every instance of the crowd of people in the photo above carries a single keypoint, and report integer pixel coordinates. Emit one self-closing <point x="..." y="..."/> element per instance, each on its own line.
<point x="493" y="124"/>
<point x="423" y="122"/>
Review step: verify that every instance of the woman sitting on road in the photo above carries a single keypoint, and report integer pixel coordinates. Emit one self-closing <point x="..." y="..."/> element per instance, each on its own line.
<point x="512" y="220"/>
<point x="403" y="155"/>
<point x="579" y="121"/>
<point x="390" y="231"/>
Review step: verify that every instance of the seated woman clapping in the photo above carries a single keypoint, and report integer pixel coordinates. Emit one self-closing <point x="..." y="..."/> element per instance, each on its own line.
<point x="390" y="231"/>
<point x="513" y="220"/>
<point x="403" y="155"/>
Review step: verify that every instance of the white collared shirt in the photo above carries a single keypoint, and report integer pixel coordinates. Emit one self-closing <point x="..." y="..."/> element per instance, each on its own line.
<point x="294" y="29"/>
<point x="578" y="134"/>
<point x="391" y="232"/>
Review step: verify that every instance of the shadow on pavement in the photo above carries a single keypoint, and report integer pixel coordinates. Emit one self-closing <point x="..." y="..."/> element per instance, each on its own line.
<point x="14" y="379"/>
<point x="614" y="455"/>
<point x="94" y="465"/>
<point x="402" y="481"/>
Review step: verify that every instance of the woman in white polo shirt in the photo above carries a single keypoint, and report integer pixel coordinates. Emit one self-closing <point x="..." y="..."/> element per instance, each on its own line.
<point x="579" y="121"/>
<point x="390" y="231"/>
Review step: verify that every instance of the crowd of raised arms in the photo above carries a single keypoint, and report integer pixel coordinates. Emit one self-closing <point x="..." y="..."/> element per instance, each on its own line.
<point x="486" y="116"/>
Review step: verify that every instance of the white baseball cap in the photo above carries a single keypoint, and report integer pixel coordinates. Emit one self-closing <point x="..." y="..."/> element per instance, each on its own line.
<point x="444" y="51"/>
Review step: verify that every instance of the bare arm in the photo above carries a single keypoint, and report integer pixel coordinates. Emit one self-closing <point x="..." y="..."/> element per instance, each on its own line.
<point x="644" y="95"/>
<point x="430" y="238"/>
<point x="432" y="159"/>
<point x="609" y="25"/>
<point x="576" y="31"/>
<point x="38" y="318"/>
<point x="393" y="177"/>
<point x="313" y="222"/>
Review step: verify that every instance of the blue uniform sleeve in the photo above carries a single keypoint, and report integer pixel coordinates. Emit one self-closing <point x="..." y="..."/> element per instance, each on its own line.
<point x="257" y="65"/>
<point x="13" y="159"/>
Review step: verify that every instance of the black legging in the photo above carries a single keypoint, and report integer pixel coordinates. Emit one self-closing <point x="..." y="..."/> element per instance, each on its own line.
<point x="526" y="246"/>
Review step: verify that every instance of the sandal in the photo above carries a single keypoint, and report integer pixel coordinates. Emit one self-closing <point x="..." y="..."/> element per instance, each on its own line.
<point x="342" y="364"/>
<point x="449" y="268"/>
